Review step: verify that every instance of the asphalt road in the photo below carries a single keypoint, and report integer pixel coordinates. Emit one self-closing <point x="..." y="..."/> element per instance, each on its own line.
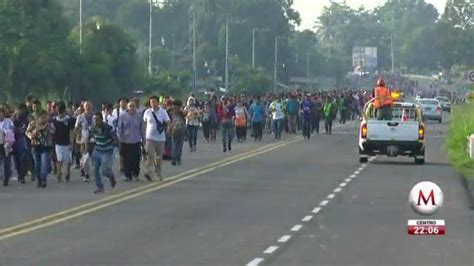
<point x="278" y="205"/>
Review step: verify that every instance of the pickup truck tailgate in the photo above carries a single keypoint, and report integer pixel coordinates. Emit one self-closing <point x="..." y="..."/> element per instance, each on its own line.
<point x="382" y="130"/>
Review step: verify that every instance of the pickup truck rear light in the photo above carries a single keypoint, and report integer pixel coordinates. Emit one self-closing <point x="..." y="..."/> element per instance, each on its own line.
<point x="438" y="109"/>
<point x="363" y="131"/>
<point x="421" y="133"/>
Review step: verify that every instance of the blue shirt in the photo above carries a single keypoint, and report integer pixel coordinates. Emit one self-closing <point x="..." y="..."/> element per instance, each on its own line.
<point x="130" y="128"/>
<point x="256" y="110"/>
<point x="307" y="106"/>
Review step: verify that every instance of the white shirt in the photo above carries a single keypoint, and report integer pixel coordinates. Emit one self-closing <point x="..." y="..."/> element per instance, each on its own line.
<point x="278" y="110"/>
<point x="6" y="124"/>
<point x="151" y="131"/>
<point x="83" y="124"/>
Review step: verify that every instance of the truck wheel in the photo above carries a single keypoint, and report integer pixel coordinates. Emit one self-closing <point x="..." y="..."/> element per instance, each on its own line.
<point x="363" y="159"/>
<point x="419" y="160"/>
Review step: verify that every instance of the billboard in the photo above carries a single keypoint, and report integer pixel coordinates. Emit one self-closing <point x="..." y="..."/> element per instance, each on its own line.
<point x="364" y="59"/>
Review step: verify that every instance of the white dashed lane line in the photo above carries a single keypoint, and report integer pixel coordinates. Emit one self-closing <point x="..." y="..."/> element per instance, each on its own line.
<point x="255" y="262"/>
<point x="308" y="218"/>
<point x="270" y="249"/>
<point x="284" y="239"/>
<point x="296" y="228"/>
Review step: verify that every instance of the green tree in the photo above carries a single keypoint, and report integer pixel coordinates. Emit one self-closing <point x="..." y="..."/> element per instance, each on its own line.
<point x="108" y="66"/>
<point x="251" y="81"/>
<point x="33" y="50"/>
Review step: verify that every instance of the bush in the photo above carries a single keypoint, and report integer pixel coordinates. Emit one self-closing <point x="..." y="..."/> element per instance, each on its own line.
<point x="461" y="126"/>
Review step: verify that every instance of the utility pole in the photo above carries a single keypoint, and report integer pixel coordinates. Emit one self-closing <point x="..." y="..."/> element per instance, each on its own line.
<point x="150" y="36"/>
<point x="307" y="69"/>
<point x="80" y="26"/>
<point x="194" y="53"/>
<point x="173" y="51"/>
<point x="226" y="53"/>
<point x="254" y="31"/>
<point x="253" y="47"/>
<point x="391" y="46"/>
<point x="275" y="66"/>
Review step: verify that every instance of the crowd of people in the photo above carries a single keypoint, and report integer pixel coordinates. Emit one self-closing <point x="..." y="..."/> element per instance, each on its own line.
<point x="47" y="141"/>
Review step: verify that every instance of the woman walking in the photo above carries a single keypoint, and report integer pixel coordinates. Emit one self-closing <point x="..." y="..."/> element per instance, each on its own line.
<point x="178" y="129"/>
<point x="41" y="133"/>
<point x="241" y="117"/>
<point x="228" y="115"/>
<point x="192" y="123"/>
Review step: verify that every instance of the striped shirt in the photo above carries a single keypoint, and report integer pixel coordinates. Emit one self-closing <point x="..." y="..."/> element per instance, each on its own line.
<point x="103" y="137"/>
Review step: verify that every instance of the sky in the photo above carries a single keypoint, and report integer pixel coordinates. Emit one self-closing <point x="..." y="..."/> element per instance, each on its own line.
<point x="310" y="9"/>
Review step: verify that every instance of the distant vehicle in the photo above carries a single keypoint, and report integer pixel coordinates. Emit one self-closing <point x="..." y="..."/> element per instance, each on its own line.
<point x="404" y="135"/>
<point x="431" y="109"/>
<point x="445" y="103"/>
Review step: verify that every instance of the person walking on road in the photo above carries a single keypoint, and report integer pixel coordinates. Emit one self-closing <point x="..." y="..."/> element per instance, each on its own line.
<point x="83" y="123"/>
<point x="192" y="122"/>
<point x="178" y="129"/>
<point x="21" y="151"/>
<point x="130" y="135"/>
<point x="278" y="114"/>
<point x="293" y="108"/>
<point x="317" y="114"/>
<point x="6" y="146"/>
<point x="41" y="133"/>
<point x="104" y="139"/>
<point x="156" y="121"/>
<point x="257" y="114"/>
<point x="227" y="128"/>
<point x="328" y="110"/>
<point x="64" y="126"/>
<point x="241" y="118"/>
<point x="306" y="111"/>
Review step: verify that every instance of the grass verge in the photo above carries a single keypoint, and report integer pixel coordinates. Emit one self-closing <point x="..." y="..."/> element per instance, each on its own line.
<point x="461" y="126"/>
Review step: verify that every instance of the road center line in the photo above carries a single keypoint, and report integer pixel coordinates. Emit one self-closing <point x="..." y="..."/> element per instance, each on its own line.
<point x="316" y="210"/>
<point x="270" y="249"/>
<point x="331" y="196"/>
<point x="284" y="239"/>
<point x="343" y="184"/>
<point x="338" y="189"/>
<point x="347" y="180"/>
<point x="296" y="228"/>
<point x="69" y="214"/>
<point x="307" y="218"/>
<point x="323" y="203"/>
<point x="255" y="262"/>
<point x="138" y="189"/>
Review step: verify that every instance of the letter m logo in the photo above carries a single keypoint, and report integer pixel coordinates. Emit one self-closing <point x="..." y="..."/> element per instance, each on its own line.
<point x="421" y="196"/>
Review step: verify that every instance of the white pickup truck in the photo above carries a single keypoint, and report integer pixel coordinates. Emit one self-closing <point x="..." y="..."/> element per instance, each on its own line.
<point x="404" y="135"/>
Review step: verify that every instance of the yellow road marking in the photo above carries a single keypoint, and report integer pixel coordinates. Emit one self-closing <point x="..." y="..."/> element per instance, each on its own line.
<point x="115" y="199"/>
<point x="131" y="191"/>
<point x="74" y="212"/>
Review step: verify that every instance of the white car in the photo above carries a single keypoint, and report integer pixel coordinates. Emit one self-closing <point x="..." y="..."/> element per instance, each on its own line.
<point x="403" y="135"/>
<point x="445" y="103"/>
<point x="431" y="109"/>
